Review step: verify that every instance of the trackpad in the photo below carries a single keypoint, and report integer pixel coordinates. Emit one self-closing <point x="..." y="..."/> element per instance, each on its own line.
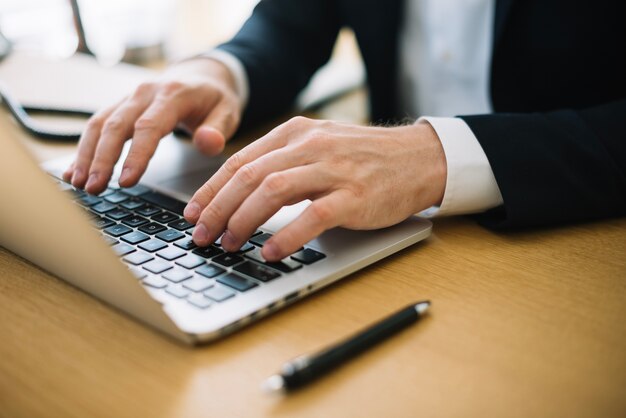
<point x="187" y="183"/>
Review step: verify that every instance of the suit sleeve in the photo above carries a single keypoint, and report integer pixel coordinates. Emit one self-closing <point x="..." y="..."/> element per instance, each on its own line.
<point x="558" y="167"/>
<point x="281" y="46"/>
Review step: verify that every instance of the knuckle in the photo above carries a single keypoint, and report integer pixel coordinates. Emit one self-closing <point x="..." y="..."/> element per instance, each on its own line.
<point x="233" y="163"/>
<point x="172" y="87"/>
<point x="145" y="88"/>
<point x="95" y="123"/>
<point x="146" y="124"/>
<point x="275" y="185"/>
<point x="298" y="121"/>
<point x="247" y="175"/>
<point x="321" y="213"/>
<point x="114" y="124"/>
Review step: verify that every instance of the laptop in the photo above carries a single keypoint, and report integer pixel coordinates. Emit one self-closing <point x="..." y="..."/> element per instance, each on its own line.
<point x="132" y="249"/>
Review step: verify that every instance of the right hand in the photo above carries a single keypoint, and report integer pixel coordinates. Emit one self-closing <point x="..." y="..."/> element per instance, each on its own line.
<point x="197" y="96"/>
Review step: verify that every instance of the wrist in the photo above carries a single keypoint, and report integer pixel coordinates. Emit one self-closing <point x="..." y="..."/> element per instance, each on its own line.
<point x="433" y="168"/>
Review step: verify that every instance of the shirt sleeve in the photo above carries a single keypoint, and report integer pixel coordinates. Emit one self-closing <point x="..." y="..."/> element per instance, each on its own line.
<point x="470" y="186"/>
<point x="237" y="70"/>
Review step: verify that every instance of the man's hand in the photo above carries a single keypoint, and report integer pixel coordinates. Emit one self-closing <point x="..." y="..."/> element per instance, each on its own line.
<point x="196" y="95"/>
<point x="357" y="177"/>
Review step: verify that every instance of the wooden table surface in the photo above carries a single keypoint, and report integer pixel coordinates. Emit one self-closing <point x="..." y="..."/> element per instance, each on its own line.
<point x="522" y="324"/>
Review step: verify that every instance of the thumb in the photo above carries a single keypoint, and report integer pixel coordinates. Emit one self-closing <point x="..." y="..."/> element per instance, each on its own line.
<point x="211" y="136"/>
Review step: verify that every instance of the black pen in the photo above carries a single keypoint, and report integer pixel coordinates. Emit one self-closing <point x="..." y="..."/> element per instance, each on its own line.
<point x="305" y="369"/>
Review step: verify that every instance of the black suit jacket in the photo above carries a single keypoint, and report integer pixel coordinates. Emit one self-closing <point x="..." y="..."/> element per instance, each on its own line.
<point x="557" y="139"/>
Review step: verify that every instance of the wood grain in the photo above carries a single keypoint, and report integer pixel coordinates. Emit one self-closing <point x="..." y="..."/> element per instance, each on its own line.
<point x="524" y="324"/>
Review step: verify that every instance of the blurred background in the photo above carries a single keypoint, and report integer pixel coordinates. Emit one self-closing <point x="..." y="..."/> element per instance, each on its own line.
<point x="153" y="33"/>
<point x="130" y="30"/>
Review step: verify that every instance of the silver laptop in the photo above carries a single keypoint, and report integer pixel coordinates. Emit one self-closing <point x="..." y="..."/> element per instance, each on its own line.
<point x="132" y="249"/>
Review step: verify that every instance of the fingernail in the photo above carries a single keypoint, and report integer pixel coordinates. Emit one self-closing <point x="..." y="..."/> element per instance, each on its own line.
<point x="228" y="241"/>
<point x="77" y="176"/>
<point x="93" y="179"/>
<point x="192" y="210"/>
<point x="200" y="234"/>
<point x="126" y="173"/>
<point x="270" y="251"/>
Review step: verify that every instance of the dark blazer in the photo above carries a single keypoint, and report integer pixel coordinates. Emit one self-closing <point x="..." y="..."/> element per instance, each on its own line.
<point x="557" y="139"/>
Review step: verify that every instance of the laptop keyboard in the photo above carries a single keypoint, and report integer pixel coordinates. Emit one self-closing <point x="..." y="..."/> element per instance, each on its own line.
<point x="146" y="230"/>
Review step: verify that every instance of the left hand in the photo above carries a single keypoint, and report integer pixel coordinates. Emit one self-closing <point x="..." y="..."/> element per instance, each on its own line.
<point x="357" y="177"/>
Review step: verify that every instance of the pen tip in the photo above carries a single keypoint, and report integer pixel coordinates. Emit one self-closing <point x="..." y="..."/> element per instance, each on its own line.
<point x="422" y="307"/>
<point x="273" y="384"/>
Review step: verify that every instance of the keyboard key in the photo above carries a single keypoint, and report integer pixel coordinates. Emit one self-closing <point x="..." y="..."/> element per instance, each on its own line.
<point x="152" y="228"/>
<point x="164" y="201"/>
<point x="134" y="221"/>
<point x="170" y="235"/>
<point x="245" y="248"/>
<point x="153" y="245"/>
<point x="177" y="275"/>
<point x="178" y="291"/>
<point x="109" y="240"/>
<point x="107" y="192"/>
<point x="227" y="259"/>
<point x="260" y="239"/>
<point x="186" y="244"/>
<point x="139" y="274"/>
<point x="102" y="223"/>
<point x="190" y="231"/>
<point x="133" y="203"/>
<point x="135" y="191"/>
<point x="118" y="214"/>
<point x="257" y="271"/>
<point x="207" y="252"/>
<point x="138" y="258"/>
<point x="116" y="197"/>
<point x="219" y="293"/>
<point x="88" y="200"/>
<point x="199" y="301"/>
<point x="180" y="225"/>
<point x="148" y="210"/>
<point x="135" y="237"/>
<point x="308" y="256"/>
<point x="171" y="253"/>
<point x="286" y="265"/>
<point x="210" y="270"/>
<point x="198" y="284"/>
<point x="103" y="207"/>
<point x="236" y="282"/>
<point x="157" y="266"/>
<point x="190" y="261"/>
<point x="165" y="217"/>
<point x="122" y="249"/>
<point x="92" y="215"/>
<point x="117" y="230"/>
<point x="156" y="282"/>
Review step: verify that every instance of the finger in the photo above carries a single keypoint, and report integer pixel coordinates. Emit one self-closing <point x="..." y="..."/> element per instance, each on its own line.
<point x="117" y="129"/>
<point x="248" y="178"/>
<point x="324" y="213"/>
<point x="277" y="138"/>
<point x="219" y="126"/>
<point x="157" y="121"/>
<point x="87" y="146"/>
<point x="277" y="190"/>
<point x="67" y="174"/>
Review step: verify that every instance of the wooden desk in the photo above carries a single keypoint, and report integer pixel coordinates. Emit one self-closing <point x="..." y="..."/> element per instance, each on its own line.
<point x="522" y="324"/>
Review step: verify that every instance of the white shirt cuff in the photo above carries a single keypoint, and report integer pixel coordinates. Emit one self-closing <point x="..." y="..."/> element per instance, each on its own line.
<point x="471" y="186"/>
<point x="237" y="70"/>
